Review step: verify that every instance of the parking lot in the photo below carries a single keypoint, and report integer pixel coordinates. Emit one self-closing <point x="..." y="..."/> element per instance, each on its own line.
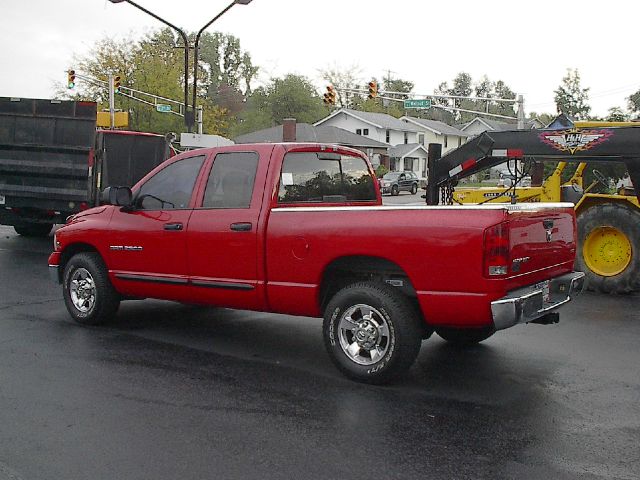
<point x="173" y="391"/>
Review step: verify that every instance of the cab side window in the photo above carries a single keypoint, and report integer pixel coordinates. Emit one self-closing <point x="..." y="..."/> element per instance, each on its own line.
<point x="231" y="180"/>
<point x="319" y="177"/>
<point x="171" y="187"/>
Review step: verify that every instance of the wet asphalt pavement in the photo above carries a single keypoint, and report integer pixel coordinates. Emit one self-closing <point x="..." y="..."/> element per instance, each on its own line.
<point x="170" y="391"/>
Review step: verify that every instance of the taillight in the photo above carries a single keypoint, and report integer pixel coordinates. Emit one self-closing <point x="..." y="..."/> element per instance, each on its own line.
<point x="84" y="206"/>
<point x="496" y="250"/>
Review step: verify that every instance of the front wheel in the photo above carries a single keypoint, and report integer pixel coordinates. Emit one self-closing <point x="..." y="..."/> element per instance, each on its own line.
<point x="88" y="294"/>
<point x="371" y="332"/>
<point x="395" y="191"/>
<point x="464" y="337"/>
<point x="414" y="189"/>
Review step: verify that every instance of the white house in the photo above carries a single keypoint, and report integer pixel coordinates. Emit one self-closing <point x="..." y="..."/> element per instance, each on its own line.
<point x="389" y="130"/>
<point x="410" y="156"/>
<point x="433" y="131"/>
<point x="377" y="126"/>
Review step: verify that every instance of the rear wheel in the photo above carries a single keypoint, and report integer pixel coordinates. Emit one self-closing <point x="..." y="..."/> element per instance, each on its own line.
<point x="414" y="189"/>
<point x="88" y="294"/>
<point x="609" y="248"/>
<point x="372" y="332"/>
<point x="464" y="337"/>
<point x="33" y="229"/>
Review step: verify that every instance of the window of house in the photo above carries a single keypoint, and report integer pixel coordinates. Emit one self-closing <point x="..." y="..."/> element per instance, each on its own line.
<point x="406" y="138"/>
<point x="459" y="141"/>
<point x="446" y="141"/>
<point x="387" y="137"/>
<point x="421" y="138"/>
<point x="365" y="131"/>
<point x="358" y="131"/>
<point x="408" y="163"/>
<point x="231" y="180"/>
<point x="171" y="187"/>
<point x="322" y="177"/>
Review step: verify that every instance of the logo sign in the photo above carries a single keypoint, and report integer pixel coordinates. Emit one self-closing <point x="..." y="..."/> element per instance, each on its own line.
<point x="425" y="103"/>
<point x="161" y="107"/>
<point x="575" y="140"/>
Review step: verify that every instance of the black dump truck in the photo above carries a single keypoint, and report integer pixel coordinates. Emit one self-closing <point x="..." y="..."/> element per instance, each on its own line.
<point x="53" y="161"/>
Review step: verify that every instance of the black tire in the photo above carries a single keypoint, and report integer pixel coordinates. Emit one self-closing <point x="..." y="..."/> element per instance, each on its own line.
<point x="464" y="337"/>
<point x="33" y="229"/>
<point x="395" y="191"/>
<point x="625" y="221"/>
<point x="414" y="189"/>
<point x="86" y="283"/>
<point x="396" y="350"/>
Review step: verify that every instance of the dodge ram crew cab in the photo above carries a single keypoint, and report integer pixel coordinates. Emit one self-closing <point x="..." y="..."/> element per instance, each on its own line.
<point x="300" y="229"/>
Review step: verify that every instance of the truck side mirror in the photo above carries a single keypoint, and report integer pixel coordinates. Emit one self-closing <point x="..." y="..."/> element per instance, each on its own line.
<point x="119" y="196"/>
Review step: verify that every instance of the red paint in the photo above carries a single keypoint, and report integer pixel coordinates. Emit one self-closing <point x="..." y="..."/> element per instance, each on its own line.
<point x="279" y="264"/>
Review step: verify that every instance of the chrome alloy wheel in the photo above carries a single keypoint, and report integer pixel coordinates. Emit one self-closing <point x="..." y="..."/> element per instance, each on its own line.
<point x="82" y="290"/>
<point x="364" y="334"/>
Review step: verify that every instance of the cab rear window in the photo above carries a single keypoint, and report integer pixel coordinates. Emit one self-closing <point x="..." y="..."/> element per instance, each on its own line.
<point x="320" y="177"/>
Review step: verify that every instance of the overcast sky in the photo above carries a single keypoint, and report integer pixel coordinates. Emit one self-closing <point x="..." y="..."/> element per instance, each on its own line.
<point x="528" y="44"/>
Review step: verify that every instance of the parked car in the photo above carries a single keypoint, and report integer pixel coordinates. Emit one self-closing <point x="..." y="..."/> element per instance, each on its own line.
<point x="396" y="182"/>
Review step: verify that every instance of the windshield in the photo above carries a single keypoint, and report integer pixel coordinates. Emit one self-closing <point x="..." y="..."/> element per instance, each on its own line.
<point x="391" y="176"/>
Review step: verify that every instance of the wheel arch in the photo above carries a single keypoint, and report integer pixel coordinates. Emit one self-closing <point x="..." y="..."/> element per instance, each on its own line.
<point x="72" y="250"/>
<point x="346" y="270"/>
<point x="590" y="201"/>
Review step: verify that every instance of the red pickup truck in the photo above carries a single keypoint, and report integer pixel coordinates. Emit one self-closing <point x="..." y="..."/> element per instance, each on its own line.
<point x="300" y="229"/>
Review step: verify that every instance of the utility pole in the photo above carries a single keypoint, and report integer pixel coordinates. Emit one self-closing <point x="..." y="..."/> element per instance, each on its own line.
<point x="112" y="103"/>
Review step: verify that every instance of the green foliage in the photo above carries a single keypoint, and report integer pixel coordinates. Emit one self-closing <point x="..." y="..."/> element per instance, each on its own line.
<point x="616" y="114"/>
<point x="463" y="85"/>
<point x="153" y="64"/>
<point x="228" y="66"/>
<point x="634" y="102"/>
<point x="290" y="97"/>
<point x="381" y="170"/>
<point x="571" y="98"/>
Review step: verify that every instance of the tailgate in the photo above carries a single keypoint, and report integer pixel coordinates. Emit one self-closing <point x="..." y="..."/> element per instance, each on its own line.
<point x="541" y="237"/>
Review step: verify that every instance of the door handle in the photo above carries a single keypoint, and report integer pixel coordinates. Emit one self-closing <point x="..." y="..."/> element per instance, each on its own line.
<point x="241" y="227"/>
<point x="173" y="226"/>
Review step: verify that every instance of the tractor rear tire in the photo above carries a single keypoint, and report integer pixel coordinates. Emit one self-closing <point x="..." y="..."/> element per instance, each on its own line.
<point x="609" y="248"/>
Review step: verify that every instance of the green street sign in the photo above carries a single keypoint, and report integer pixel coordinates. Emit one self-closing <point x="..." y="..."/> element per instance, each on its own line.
<point x="161" y="107"/>
<point x="424" y="103"/>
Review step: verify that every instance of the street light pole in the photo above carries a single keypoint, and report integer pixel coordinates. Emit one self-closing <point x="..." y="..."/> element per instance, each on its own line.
<point x="197" y="41"/>
<point x="188" y="116"/>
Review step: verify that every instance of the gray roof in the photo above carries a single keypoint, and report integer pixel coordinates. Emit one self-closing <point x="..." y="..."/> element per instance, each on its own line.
<point x="499" y="126"/>
<point x="403" y="149"/>
<point x="309" y="133"/>
<point x="437" y="126"/>
<point x="381" y="120"/>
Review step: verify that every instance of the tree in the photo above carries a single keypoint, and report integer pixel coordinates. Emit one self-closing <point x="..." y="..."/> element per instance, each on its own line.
<point x="616" y="114"/>
<point x="290" y="97"/>
<point x="571" y="98"/>
<point x="226" y="65"/>
<point x="151" y="64"/>
<point x="633" y="103"/>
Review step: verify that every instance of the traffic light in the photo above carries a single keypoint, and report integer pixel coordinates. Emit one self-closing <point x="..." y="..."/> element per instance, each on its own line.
<point x="373" y="89"/>
<point x="71" y="78"/>
<point x="116" y="84"/>
<point x="330" y="95"/>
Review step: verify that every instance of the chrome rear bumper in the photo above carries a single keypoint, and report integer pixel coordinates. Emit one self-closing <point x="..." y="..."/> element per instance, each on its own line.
<point x="535" y="301"/>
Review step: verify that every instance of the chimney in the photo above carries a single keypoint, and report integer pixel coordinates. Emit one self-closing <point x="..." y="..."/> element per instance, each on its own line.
<point x="289" y="130"/>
